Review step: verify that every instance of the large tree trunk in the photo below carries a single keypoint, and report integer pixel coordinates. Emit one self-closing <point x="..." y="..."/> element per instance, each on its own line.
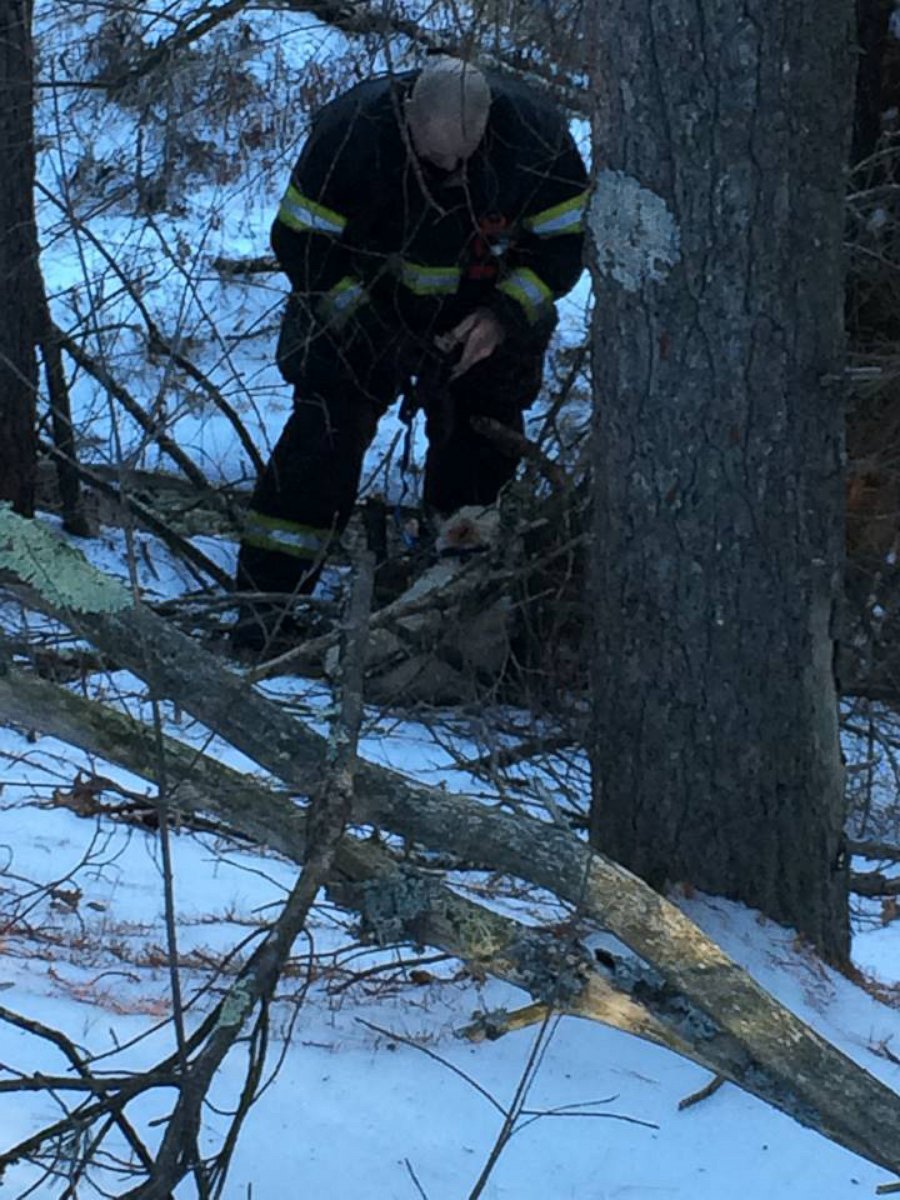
<point x="722" y="133"/>
<point x="19" y="280"/>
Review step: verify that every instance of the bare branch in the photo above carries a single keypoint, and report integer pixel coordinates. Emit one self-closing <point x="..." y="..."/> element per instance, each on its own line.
<point x="327" y="817"/>
<point x="874" y="883"/>
<point x="121" y="394"/>
<point x="148" y="519"/>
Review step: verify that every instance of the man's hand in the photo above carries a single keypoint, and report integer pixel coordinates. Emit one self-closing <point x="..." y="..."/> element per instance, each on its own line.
<point x="479" y="334"/>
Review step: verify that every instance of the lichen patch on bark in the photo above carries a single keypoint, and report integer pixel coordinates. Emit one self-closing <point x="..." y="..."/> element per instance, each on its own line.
<point x="57" y="571"/>
<point x="635" y="236"/>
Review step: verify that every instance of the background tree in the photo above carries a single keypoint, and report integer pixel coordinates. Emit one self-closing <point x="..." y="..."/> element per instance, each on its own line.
<point x="718" y="442"/>
<point x="20" y="292"/>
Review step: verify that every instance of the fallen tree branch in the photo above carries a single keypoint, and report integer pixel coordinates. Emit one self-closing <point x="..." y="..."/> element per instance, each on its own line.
<point x="394" y="900"/>
<point x="798" y="1071"/>
<point x="874" y="883"/>
<point x="889" y="850"/>
<point x="368" y="879"/>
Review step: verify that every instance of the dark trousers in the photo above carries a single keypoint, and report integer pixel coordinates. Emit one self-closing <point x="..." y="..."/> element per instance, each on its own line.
<point x="306" y="494"/>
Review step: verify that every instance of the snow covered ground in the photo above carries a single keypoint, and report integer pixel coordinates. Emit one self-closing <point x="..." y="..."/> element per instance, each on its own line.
<point x="356" y="1109"/>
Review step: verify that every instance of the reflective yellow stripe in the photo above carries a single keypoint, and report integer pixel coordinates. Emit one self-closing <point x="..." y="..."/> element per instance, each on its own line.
<point x="428" y="281"/>
<point x="562" y="218"/>
<point x="283" y="537"/>
<point x="343" y="299"/>
<point x="299" y="212"/>
<point x="529" y="290"/>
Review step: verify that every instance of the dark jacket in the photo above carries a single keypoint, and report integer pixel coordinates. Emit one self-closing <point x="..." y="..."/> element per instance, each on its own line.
<point x="367" y="226"/>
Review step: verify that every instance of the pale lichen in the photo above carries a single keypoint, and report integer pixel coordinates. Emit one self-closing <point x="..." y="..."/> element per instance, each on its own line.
<point x="59" y="573"/>
<point x="635" y="236"/>
<point x="236" y="1005"/>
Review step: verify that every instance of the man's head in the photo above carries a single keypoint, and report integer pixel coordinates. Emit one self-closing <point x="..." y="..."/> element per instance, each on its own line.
<point x="447" y="112"/>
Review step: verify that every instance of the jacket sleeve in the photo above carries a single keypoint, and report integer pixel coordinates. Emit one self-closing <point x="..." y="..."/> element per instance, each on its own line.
<point x="321" y="197"/>
<point x="545" y="261"/>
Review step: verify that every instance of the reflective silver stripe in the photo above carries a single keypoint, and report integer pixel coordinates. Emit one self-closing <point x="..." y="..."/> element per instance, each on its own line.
<point x="344" y="298"/>
<point x="429" y="281"/>
<point x="287" y="537"/>
<point x="299" y="212"/>
<point x="528" y="290"/>
<point x="561" y="218"/>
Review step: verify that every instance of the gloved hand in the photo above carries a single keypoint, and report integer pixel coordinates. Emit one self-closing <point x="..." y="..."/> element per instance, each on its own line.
<point x="479" y="334"/>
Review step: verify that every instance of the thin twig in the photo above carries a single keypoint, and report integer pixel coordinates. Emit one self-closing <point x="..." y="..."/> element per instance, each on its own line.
<point x="703" y="1093"/>
<point x="507" y="1129"/>
<point x="193" y="557"/>
<point x="435" y="1057"/>
<point x="328" y="815"/>
<point x="415" y="1179"/>
<point x="121" y="394"/>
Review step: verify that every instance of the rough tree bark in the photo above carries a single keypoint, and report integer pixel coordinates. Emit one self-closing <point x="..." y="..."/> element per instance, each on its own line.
<point x="20" y="291"/>
<point x="721" y="134"/>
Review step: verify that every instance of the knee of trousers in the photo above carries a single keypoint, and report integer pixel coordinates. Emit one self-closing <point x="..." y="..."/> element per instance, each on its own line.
<point x="267" y="569"/>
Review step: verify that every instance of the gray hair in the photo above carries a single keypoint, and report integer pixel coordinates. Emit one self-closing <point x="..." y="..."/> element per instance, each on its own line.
<point x="447" y="111"/>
